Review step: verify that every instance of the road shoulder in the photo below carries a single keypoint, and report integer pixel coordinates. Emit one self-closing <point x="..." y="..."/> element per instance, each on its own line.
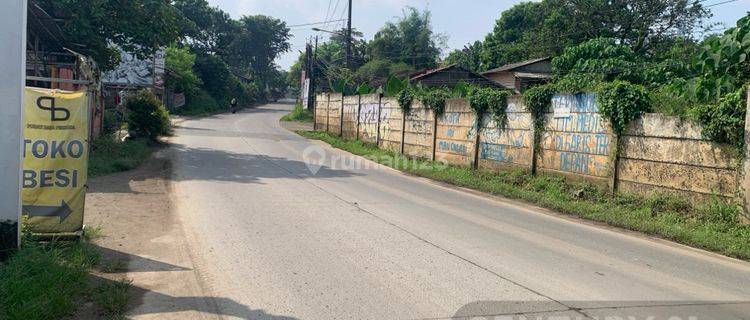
<point x="141" y="231"/>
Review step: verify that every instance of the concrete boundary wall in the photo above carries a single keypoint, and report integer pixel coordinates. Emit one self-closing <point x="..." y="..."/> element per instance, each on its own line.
<point x="417" y="134"/>
<point x="456" y="134"/>
<point x="669" y="154"/>
<point x="335" y="105"/>
<point x="511" y="146"/>
<point x="321" y="112"/>
<point x="576" y="141"/>
<point x="391" y="123"/>
<point x="657" y="153"/>
<point x="349" y="120"/>
<point x="369" y="108"/>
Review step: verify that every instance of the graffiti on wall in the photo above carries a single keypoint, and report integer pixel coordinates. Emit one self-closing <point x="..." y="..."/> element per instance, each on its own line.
<point x="578" y="142"/>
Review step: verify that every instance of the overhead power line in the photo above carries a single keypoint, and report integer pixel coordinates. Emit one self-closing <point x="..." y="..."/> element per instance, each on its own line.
<point x="314" y="23"/>
<point x="719" y="3"/>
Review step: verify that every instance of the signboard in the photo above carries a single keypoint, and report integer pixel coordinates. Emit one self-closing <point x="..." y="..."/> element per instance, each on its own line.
<point x="131" y="72"/>
<point x="179" y="100"/>
<point x="159" y="68"/>
<point x="306" y="94"/>
<point x="55" y="159"/>
<point x="561" y="107"/>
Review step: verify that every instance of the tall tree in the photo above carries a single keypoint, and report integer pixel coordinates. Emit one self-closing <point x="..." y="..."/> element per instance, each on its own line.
<point x="468" y="57"/>
<point x="259" y="41"/>
<point x="530" y="30"/>
<point x="138" y="26"/>
<point x="207" y="29"/>
<point x="409" y="40"/>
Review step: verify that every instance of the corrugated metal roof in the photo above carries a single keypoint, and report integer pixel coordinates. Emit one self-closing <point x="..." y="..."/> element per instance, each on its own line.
<point x="515" y="65"/>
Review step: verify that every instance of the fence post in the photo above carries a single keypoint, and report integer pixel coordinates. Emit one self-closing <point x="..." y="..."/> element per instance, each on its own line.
<point x="613" y="166"/>
<point x="380" y="106"/>
<point x="341" y="117"/>
<point x="475" y="162"/>
<point x="328" y="112"/>
<point x="403" y="129"/>
<point x="434" y="134"/>
<point x="359" y="111"/>
<point x="537" y="127"/>
<point x="315" y="117"/>
<point x="744" y="186"/>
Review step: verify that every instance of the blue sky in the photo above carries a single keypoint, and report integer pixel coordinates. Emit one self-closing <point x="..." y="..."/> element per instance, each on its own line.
<point x="462" y="21"/>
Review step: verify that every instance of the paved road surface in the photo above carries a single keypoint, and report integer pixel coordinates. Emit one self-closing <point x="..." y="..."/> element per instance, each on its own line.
<point x="273" y="241"/>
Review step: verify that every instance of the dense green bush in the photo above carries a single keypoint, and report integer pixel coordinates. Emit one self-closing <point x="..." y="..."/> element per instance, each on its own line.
<point x="725" y="121"/>
<point x="493" y="100"/>
<point x="200" y="103"/>
<point x="215" y="75"/>
<point x="621" y="102"/>
<point x="147" y="116"/>
<point x="180" y="62"/>
<point x="435" y="99"/>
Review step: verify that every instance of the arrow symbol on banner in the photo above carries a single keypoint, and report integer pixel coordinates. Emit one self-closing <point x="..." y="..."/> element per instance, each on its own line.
<point x="62" y="211"/>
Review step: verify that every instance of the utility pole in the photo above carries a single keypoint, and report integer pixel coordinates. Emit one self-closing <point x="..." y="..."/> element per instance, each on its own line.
<point x="312" y="59"/>
<point x="13" y="79"/>
<point x="349" y="38"/>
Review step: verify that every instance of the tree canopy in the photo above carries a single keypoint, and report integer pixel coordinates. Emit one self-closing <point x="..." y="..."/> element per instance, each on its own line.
<point x="138" y="26"/>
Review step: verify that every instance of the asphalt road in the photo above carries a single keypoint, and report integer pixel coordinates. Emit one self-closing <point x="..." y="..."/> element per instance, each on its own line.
<point x="272" y="240"/>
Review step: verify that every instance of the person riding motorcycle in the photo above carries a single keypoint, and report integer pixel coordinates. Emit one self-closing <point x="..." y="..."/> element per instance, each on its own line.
<point x="233" y="105"/>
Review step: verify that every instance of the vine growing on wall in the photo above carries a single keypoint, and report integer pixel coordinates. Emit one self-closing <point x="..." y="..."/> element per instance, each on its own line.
<point x="724" y="122"/>
<point x="621" y="102"/>
<point x="405" y="98"/>
<point x="490" y="100"/>
<point x="538" y="99"/>
<point x="435" y="99"/>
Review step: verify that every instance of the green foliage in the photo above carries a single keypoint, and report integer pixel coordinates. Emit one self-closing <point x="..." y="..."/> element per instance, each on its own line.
<point x="138" y="26"/>
<point x="201" y="103"/>
<point x="109" y="155"/>
<point x="394" y="86"/>
<point x="377" y="70"/>
<point x="112" y="296"/>
<point x="147" y="116"/>
<point x="365" y="89"/>
<point x="406" y="97"/>
<point x="45" y="281"/>
<point x="538" y="100"/>
<point x="215" y="75"/>
<point x="180" y="62"/>
<point x="298" y="114"/>
<point x="538" y="29"/>
<point x="435" y="99"/>
<point x="584" y="66"/>
<point x="724" y="122"/>
<point x="258" y="41"/>
<point x="724" y="63"/>
<point x="621" y="102"/>
<point x="469" y="57"/>
<point x="409" y="40"/>
<point x="209" y="29"/>
<point x="490" y="100"/>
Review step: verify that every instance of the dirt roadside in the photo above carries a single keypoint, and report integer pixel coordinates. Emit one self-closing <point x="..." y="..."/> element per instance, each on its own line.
<point x="140" y="231"/>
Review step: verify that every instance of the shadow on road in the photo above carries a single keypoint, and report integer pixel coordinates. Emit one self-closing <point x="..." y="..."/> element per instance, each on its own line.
<point x="217" y="165"/>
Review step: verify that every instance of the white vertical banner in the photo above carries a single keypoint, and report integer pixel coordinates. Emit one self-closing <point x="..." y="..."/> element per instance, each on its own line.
<point x="12" y="82"/>
<point x="159" y="68"/>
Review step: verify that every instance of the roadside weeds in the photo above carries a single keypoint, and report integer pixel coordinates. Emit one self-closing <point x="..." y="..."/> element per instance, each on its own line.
<point x="50" y="280"/>
<point x="712" y="226"/>
<point x="110" y="156"/>
<point x="298" y="114"/>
